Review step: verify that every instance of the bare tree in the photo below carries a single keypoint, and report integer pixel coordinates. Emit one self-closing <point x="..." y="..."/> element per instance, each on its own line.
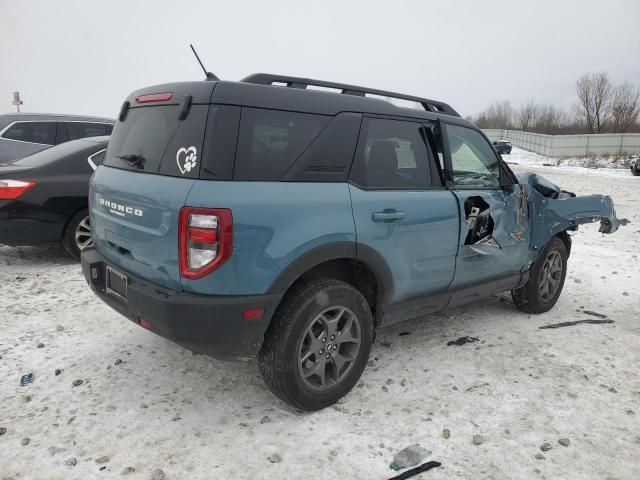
<point x="497" y="115"/>
<point x="594" y="100"/>
<point x="525" y="115"/>
<point x="625" y="107"/>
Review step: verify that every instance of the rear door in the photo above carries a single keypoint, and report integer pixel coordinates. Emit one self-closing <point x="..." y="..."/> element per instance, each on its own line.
<point x="402" y="211"/>
<point x="494" y="232"/>
<point x="151" y="162"/>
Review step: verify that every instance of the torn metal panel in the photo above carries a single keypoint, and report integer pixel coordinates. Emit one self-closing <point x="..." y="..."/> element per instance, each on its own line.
<point x="554" y="210"/>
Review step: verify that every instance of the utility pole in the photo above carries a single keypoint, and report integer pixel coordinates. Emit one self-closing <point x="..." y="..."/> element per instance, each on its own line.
<point x="16" y="100"/>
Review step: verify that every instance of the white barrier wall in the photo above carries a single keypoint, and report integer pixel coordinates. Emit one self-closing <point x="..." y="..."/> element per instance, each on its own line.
<point x="570" y="145"/>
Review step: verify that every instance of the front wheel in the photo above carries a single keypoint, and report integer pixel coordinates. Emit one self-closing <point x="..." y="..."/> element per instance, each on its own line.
<point x="546" y="279"/>
<point x="318" y="344"/>
<point x="77" y="234"/>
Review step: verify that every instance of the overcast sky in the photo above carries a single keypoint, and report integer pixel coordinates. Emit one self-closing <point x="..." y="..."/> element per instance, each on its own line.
<point x="85" y="56"/>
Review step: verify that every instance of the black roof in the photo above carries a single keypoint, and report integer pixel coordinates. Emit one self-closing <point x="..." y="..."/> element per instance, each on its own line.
<point x="281" y="92"/>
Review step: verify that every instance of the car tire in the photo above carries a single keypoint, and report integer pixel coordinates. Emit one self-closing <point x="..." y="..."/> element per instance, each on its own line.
<point x="546" y="279"/>
<point x="310" y="358"/>
<point x="635" y="170"/>
<point x="77" y="234"/>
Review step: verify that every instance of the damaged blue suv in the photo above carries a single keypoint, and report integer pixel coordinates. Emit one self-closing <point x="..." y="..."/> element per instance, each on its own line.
<point x="268" y="218"/>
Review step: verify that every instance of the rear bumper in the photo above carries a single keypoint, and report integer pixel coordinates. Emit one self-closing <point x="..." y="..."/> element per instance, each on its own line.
<point x="212" y="325"/>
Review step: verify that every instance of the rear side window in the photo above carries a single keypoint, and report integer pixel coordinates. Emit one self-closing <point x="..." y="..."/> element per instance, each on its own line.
<point x="392" y="154"/>
<point x="269" y="141"/>
<point x="33" y="132"/>
<point x="74" y="130"/>
<point x="154" y="140"/>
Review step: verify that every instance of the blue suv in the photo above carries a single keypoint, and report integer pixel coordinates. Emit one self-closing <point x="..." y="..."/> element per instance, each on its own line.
<point x="269" y="218"/>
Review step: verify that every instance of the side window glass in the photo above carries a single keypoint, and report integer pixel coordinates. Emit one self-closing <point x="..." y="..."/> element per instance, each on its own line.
<point x="75" y="130"/>
<point x="97" y="159"/>
<point x="392" y="155"/>
<point x="34" y="132"/>
<point x="473" y="160"/>
<point x="269" y="141"/>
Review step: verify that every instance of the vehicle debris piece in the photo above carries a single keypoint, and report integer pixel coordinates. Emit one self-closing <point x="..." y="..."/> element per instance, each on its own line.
<point x="473" y="387"/>
<point x="408" y="457"/>
<point x="26" y="379"/>
<point x="462" y="340"/>
<point x="478" y="439"/>
<point x="576" y="322"/>
<point x="595" y="314"/>
<point x="415" y="471"/>
<point x="564" y="442"/>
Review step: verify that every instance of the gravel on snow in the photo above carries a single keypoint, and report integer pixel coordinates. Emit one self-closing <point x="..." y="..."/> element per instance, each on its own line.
<point x="147" y="408"/>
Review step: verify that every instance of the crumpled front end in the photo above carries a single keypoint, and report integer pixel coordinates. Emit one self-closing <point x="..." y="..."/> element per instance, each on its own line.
<point x="555" y="210"/>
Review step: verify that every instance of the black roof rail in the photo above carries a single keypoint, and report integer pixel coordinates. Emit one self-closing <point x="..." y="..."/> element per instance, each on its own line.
<point x="297" y="82"/>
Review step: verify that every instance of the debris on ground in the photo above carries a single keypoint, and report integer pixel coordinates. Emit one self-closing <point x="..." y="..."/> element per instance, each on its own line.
<point x="26" y="379"/>
<point x="595" y="314"/>
<point x="118" y="362"/>
<point x="415" y="471"/>
<point x="25" y="441"/>
<point x="265" y="419"/>
<point x="71" y="462"/>
<point x="545" y="446"/>
<point x="402" y="334"/>
<point x="539" y="456"/>
<point x="3" y="430"/>
<point x="386" y="343"/>
<point x="158" y="474"/>
<point x="275" y="458"/>
<point x="127" y="470"/>
<point x="575" y="322"/>
<point x="408" y="457"/>
<point x="103" y="459"/>
<point x="40" y="345"/>
<point x="446" y="433"/>
<point x="57" y="372"/>
<point x="77" y="383"/>
<point x="461" y="341"/>
<point x="478" y="439"/>
<point x="473" y="387"/>
<point x="564" y="442"/>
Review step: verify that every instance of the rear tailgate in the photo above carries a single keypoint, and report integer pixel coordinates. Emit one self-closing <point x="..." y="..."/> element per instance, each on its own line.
<point x="152" y="160"/>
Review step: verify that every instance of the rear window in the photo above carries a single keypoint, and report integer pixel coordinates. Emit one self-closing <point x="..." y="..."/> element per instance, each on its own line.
<point x="33" y="132"/>
<point x="270" y="141"/>
<point x="154" y="140"/>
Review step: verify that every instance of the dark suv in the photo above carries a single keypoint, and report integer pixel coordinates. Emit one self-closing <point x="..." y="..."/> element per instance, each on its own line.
<point x="502" y="147"/>
<point x="265" y="218"/>
<point x="22" y="134"/>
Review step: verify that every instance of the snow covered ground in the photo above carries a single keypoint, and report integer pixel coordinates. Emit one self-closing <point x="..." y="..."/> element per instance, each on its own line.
<point x="608" y="166"/>
<point x="148" y="404"/>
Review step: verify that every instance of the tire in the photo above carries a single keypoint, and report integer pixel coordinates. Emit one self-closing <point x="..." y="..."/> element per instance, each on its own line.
<point x="308" y="311"/>
<point x="635" y="170"/>
<point x="534" y="297"/>
<point x="77" y="234"/>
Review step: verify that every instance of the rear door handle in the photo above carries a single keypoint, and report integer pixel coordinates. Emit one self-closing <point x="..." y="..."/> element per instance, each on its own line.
<point x="389" y="215"/>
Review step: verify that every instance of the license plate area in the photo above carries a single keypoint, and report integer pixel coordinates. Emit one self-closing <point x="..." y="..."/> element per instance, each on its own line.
<point x="116" y="284"/>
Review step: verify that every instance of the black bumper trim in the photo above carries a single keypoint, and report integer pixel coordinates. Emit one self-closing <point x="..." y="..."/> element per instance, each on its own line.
<point x="212" y="325"/>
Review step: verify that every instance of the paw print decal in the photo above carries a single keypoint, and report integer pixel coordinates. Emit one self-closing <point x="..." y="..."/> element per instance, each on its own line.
<point x="186" y="159"/>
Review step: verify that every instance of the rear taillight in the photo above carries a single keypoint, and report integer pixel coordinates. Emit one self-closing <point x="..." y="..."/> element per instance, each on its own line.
<point x="12" y="189"/>
<point x="206" y="240"/>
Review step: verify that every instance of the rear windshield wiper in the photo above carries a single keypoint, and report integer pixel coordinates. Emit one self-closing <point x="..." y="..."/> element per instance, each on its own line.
<point x="133" y="159"/>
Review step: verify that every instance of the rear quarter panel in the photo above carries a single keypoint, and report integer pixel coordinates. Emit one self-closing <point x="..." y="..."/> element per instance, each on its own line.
<point x="274" y="224"/>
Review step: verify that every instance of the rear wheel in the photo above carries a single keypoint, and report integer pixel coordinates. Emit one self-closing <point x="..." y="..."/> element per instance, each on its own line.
<point x="77" y="234"/>
<point x="546" y="279"/>
<point x="318" y="344"/>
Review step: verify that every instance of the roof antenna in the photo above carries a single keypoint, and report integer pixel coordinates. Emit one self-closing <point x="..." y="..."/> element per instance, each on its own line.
<point x="209" y="75"/>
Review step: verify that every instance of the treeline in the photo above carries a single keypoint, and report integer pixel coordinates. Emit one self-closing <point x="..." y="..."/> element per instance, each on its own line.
<point x="600" y="107"/>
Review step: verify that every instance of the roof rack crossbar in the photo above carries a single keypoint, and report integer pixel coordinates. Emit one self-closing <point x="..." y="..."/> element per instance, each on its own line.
<point x="297" y="82"/>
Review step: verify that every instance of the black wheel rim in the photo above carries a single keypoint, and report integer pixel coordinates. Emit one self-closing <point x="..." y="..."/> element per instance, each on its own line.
<point x="550" y="276"/>
<point x="329" y="348"/>
<point x="83" y="234"/>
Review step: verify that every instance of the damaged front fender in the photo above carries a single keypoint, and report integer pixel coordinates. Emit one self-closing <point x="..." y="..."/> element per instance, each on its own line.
<point x="554" y="210"/>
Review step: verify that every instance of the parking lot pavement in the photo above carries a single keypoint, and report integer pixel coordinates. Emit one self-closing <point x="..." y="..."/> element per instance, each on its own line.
<point x="148" y="404"/>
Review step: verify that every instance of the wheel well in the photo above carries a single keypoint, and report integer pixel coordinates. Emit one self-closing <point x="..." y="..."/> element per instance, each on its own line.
<point x="564" y="236"/>
<point x="355" y="273"/>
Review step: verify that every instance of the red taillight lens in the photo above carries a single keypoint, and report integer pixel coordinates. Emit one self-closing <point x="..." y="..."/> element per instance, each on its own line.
<point x="206" y="240"/>
<point x="12" y="189"/>
<point x="154" y="97"/>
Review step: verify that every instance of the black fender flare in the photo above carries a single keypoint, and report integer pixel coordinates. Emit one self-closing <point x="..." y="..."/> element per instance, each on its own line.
<point x="336" y="251"/>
